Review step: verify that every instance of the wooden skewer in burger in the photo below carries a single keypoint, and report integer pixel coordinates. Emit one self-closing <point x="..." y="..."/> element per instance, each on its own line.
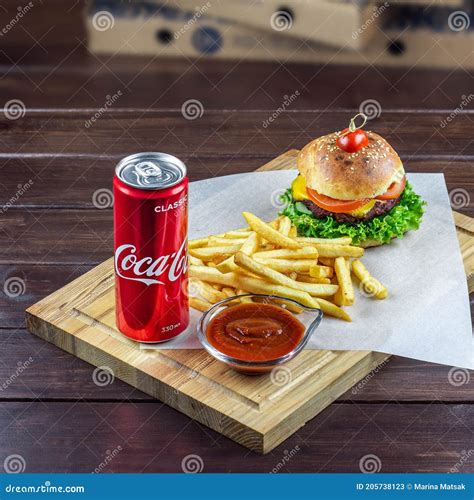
<point x="352" y="183"/>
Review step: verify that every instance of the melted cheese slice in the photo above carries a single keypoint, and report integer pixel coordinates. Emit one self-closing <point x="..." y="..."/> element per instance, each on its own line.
<point x="298" y="190"/>
<point x="360" y="212"/>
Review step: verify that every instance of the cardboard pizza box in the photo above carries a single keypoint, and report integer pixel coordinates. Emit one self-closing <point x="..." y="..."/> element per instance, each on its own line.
<point x="328" y="22"/>
<point x="421" y="38"/>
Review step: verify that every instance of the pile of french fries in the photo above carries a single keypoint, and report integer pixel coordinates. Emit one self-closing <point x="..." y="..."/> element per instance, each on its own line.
<point x="269" y="258"/>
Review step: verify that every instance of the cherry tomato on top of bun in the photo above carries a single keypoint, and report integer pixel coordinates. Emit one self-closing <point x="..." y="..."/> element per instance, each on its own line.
<point x="351" y="142"/>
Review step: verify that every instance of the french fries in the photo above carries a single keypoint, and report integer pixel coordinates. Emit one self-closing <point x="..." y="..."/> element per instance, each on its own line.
<point x="344" y="240"/>
<point x="230" y="292"/>
<point x="345" y="293"/>
<point x="285" y="253"/>
<point x="249" y="246"/>
<point x="255" y="285"/>
<point x="259" y="269"/>
<point x="268" y="233"/>
<point x="244" y="299"/>
<point x="284" y="226"/>
<point x="198" y="304"/>
<point x="237" y="234"/>
<point x="211" y="275"/>
<point x="368" y="283"/>
<point x="207" y="291"/>
<point x="321" y="271"/>
<point x="197" y="243"/>
<point x="269" y="258"/>
<point x="195" y="261"/>
<point x="333" y="310"/>
<point x="287" y="266"/>
<point x="209" y="253"/>
<point x="339" y="251"/>
<point x="214" y="241"/>
<point x="326" y="261"/>
<point x="309" y="279"/>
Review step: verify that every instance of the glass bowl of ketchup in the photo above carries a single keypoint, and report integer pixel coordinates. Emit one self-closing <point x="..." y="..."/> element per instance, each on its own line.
<point x="255" y="333"/>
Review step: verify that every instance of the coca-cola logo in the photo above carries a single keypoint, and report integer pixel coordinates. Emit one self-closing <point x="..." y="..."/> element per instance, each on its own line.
<point x="148" y="270"/>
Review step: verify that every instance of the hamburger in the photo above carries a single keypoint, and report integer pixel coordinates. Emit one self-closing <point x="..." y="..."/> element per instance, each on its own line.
<point x="352" y="183"/>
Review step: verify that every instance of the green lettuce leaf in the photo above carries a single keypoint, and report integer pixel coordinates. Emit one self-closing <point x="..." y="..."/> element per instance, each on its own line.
<point x="403" y="217"/>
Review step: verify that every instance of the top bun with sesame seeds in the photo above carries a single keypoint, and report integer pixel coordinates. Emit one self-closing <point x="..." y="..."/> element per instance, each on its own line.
<point x="365" y="174"/>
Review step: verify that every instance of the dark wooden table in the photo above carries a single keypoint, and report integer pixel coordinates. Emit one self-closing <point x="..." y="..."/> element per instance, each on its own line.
<point x="51" y="413"/>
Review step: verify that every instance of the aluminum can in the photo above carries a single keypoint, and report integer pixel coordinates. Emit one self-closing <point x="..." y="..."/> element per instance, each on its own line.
<point x="150" y="247"/>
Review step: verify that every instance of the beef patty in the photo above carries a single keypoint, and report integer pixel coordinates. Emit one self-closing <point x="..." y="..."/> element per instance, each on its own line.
<point x="380" y="208"/>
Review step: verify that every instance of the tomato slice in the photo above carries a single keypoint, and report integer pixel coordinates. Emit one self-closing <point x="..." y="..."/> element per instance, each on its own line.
<point x="333" y="205"/>
<point x="394" y="191"/>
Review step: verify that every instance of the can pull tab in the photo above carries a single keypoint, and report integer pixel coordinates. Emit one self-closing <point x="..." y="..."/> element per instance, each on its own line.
<point x="147" y="172"/>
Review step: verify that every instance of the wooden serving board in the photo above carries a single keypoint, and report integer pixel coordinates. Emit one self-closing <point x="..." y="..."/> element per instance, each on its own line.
<point x="254" y="411"/>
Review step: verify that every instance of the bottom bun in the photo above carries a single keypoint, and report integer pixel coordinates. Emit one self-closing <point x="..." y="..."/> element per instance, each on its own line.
<point x="373" y="243"/>
<point x="370" y="243"/>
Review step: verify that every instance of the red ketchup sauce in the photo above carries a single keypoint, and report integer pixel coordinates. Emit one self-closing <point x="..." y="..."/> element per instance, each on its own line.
<point x="255" y="331"/>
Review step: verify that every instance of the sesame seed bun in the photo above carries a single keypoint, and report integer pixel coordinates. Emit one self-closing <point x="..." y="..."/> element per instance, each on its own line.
<point x="349" y="176"/>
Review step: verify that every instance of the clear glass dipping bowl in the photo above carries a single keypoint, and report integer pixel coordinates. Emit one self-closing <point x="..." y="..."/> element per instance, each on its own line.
<point x="310" y="317"/>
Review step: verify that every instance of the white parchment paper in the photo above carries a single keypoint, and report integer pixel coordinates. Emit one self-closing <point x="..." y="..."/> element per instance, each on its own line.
<point x="426" y="315"/>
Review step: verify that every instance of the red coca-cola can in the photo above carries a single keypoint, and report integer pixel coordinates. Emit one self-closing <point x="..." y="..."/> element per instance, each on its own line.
<point x="150" y="243"/>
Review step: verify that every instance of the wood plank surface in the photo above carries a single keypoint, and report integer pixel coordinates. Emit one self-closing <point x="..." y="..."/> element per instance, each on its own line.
<point x="45" y="376"/>
<point x="225" y="133"/>
<point x="71" y="79"/>
<point x="151" y="437"/>
<point x="70" y="182"/>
